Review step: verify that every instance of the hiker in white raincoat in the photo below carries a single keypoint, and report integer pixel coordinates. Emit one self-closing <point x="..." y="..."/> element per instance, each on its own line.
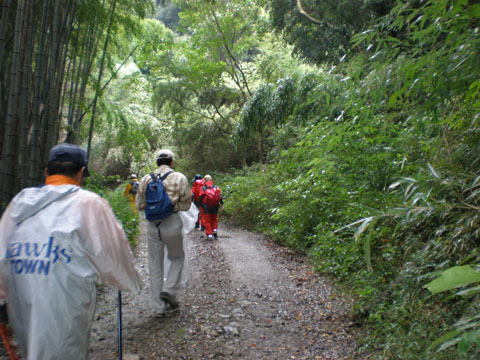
<point x="56" y="242"/>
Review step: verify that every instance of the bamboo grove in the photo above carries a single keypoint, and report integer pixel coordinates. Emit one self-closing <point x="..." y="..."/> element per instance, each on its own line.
<point x="52" y="55"/>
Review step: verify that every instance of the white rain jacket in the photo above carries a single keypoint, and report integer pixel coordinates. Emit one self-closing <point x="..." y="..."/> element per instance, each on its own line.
<point x="56" y="242"/>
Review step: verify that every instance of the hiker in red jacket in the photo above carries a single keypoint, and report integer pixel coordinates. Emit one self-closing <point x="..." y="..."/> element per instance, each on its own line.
<point x="210" y="199"/>
<point x="196" y="190"/>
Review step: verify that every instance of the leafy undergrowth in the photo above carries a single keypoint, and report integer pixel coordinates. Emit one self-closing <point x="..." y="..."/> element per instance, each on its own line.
<point x="386" y="268"/>
<point x="121" y="207"/>
<point x="382" y="187"/>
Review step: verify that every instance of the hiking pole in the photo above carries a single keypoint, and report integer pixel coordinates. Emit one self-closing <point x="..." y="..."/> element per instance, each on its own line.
<point x="7" y="340"/>
<point x="6" y="334"/>
<point x="119" y="325"/>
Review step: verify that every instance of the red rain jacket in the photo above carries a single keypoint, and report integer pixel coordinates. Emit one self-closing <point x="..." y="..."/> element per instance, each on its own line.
<point x="196" y="190"/>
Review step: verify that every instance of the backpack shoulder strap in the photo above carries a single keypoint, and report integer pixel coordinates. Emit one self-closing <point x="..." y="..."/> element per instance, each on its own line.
<point x="163" y="177"/>
<point x="152" y="175"/>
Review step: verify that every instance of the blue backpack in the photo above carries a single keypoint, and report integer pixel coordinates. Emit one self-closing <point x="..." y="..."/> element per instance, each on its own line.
<point x="159" y="205"/>
<point x="134" y="188"/>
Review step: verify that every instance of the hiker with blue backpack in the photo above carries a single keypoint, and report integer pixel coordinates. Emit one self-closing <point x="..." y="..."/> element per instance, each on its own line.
<point x="162" y="194"/>
<point x="210" y="200"/>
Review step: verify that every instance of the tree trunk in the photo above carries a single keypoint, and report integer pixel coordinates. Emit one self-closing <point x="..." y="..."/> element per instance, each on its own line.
<point x="34" y="173"/>
<point x="74" y="81"/>
<point x="65" y="32"/>
<point x="52" y="113"/>
<point x="3" y="28"/>
<point x="86" y="70"/>
<point x="24" y="117"/>
<point x="9" y="164"/>
<point x="3" y="69"/>
<point x="100" y="71"/>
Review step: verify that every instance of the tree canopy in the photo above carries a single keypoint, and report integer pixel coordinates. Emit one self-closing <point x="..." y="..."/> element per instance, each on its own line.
<point x="49" y="58"/>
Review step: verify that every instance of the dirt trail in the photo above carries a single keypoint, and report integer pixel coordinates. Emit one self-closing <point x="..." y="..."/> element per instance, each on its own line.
<point x="246" y="298"/>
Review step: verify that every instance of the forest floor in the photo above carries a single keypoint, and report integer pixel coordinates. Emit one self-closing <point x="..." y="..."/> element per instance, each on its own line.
<point x="245" y="298"/>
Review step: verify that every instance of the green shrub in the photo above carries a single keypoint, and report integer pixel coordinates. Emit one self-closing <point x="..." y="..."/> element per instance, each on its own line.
<point x="125" y="214"/>
<point x="121" y="206"/>
<point x="382" y="189"/>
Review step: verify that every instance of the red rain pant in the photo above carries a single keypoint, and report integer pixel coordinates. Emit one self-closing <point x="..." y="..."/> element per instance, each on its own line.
<point x="210" y="221"/>
<point x="200" y="216"/>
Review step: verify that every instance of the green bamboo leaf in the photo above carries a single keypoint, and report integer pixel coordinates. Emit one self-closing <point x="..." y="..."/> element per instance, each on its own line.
<point x="397" y="210"/>
<point x="365" y="223"/>
<point x="463" y="322"/>
<point x="453" y="278"/>
<point x="449" y="343"/>
<point x="460" y="2"/>
<point x="474" y="11"/>
<point x="410" y="190"/>
<point x="401" y="181"/>
<point x="393" y="98"/>
<point x="352" y="224"/>
<point x="449" y="339"/>
<point x="433" y="171"/>
<point x="469" y="325"/>
<point x="475" y="182"/>
<point x="467" y="337"/>
<point x="416" y="198"/>
<point x="367" y="252"/>
<point x="471" y="291"/>
<point x="473" y="195"/>
<point x="467" y="340"/>
<point x="394" y="185"/>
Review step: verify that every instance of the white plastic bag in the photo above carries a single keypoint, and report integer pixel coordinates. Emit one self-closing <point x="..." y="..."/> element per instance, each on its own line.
<point x="188" y="219"/>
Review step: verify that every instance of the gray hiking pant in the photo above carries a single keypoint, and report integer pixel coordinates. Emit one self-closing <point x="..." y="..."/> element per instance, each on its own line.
<point x="167" y="235"/>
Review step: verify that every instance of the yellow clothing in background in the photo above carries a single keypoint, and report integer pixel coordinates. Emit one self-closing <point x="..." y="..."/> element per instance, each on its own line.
<point x="131" y="197"/>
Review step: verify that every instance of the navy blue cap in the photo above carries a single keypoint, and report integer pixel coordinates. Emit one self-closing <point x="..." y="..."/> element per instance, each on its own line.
<point x="69" y="152"/>
<point x="198" y="177"/>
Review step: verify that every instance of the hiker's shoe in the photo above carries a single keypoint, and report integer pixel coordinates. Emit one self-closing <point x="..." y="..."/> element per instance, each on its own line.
<point x="210" y="237"/>
<point x="202" y="228"/>
<point x="160" y="311"/>
<point x="215" y="233"/>
<point x="169" y="299"/>
<point x="197" y="225"/>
